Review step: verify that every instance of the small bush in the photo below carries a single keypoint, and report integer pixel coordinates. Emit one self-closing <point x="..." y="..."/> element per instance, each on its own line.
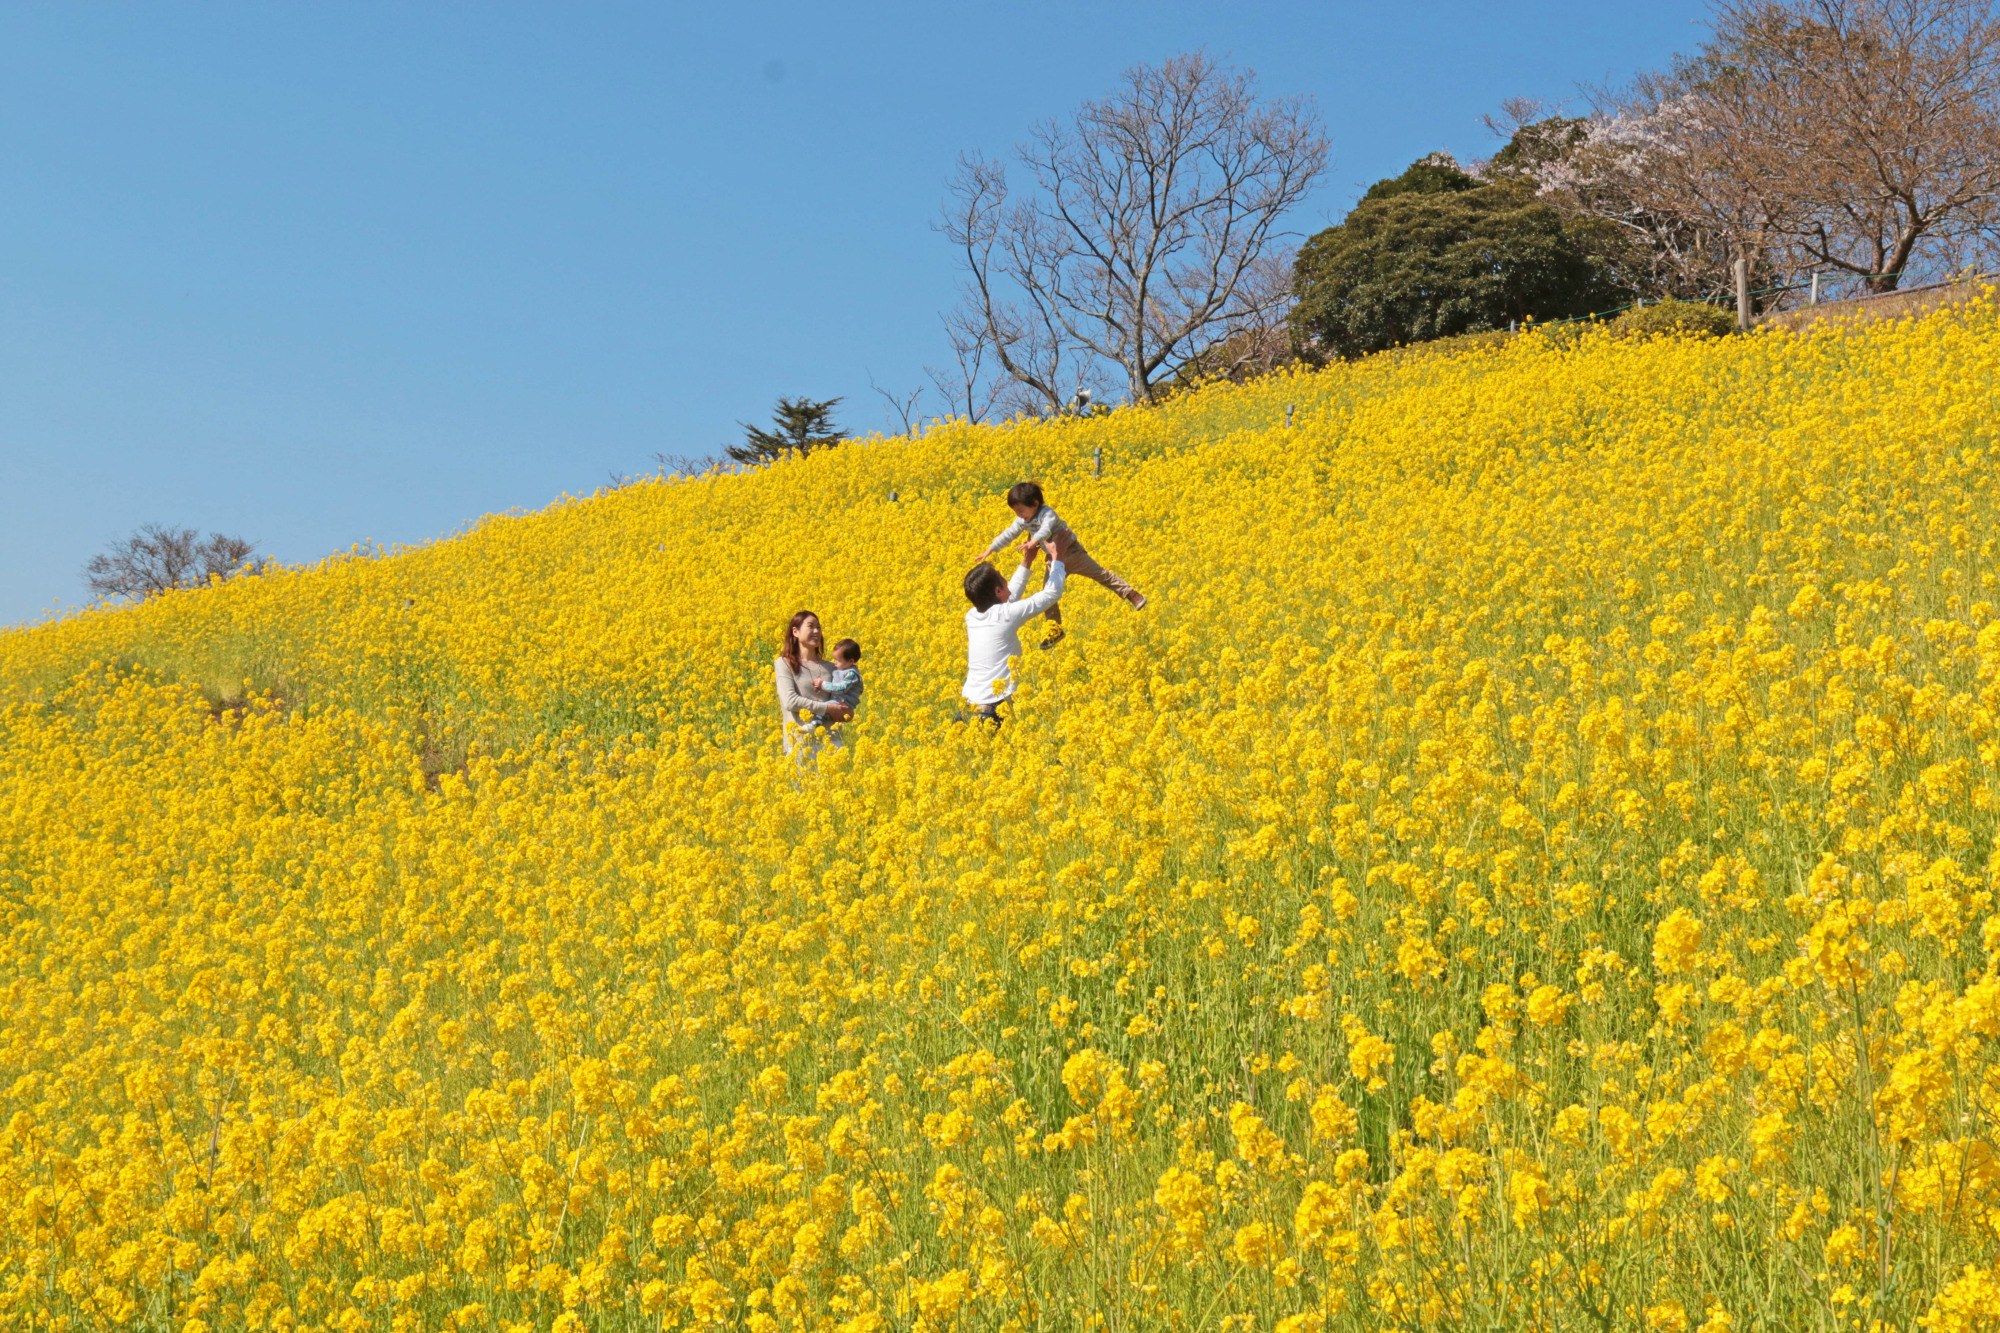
<point x="1667" y="319"/>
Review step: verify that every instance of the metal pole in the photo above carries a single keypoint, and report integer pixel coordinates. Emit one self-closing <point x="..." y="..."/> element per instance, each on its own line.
<point x="1097" y="461"/>
<point x="1288" y="414"/>
<point x="1814" y="298"/>
<point x="1742" y="292"/>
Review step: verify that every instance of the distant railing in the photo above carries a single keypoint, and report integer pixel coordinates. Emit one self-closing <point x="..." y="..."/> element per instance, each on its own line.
<point x="1813" y="286"/>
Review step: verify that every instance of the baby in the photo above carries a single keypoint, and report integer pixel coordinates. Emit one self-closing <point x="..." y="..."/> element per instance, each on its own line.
<point x="1033" y="516"/>
<point x="843" y="685"/>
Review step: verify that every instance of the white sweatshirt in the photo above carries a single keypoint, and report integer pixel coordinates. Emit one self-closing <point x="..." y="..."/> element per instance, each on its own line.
<point x="993" y="636"/>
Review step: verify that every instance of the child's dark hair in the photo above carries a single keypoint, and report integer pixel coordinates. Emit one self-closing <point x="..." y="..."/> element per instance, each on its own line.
<point x="1025" y="493"/>
<point x="983" y="586"/>
<point x="847" y="650"/>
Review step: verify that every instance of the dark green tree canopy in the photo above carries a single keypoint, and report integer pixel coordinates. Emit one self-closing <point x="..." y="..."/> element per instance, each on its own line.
<point x="1436" y="252"/>
<point x="1436" y="174"/>
<point x="799" y="425"/>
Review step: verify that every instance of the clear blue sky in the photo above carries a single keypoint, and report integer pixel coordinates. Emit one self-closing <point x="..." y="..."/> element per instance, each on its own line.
<point x="319" y="274"/>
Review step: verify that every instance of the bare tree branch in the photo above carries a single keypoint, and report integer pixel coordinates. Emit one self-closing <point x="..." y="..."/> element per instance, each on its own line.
<point x="692" y="465"/>
<point x="902" y="415"/>
<point x="968" y="388"/>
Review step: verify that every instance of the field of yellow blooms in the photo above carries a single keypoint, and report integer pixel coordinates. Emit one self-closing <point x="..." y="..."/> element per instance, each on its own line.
<point x="1531" y="867"/>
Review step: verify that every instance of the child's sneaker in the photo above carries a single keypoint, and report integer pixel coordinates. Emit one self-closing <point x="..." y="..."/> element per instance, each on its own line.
<point x="1054" y="636"/>
<point x="1138" y="600"/>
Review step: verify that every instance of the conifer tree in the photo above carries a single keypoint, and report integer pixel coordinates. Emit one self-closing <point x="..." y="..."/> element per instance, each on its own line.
<point x="799" y="424"/>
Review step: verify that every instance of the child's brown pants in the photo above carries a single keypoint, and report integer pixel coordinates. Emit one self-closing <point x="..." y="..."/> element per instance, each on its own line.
<point x="1077" y="561"/>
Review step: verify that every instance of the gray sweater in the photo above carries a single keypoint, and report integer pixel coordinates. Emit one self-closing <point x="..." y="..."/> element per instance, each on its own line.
<point x="1045" y="526"/>
<point x="803" y="689"/>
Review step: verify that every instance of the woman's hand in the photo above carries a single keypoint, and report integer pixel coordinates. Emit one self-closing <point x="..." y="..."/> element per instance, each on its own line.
<point x="838" y="712"/>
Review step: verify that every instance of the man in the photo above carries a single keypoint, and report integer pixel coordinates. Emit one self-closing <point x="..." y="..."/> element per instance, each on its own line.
<point x="993" y="626"/>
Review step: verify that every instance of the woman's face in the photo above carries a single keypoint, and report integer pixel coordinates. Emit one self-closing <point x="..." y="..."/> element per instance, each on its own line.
<point x="808" y="635"/>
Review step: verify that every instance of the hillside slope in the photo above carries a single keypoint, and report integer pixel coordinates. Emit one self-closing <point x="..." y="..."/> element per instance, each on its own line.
<point x="1530" y="866"/>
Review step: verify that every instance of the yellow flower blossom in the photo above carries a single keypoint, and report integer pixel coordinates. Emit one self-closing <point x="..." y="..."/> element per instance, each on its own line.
<point x="1528" y="864"/>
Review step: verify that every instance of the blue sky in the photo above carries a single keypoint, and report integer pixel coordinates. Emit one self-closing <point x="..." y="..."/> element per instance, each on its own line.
<point x="327" y="274"/>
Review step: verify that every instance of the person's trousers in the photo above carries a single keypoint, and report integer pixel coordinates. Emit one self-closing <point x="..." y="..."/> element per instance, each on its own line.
<point x="1078" y="562"/>
<point x="988" y="713"/>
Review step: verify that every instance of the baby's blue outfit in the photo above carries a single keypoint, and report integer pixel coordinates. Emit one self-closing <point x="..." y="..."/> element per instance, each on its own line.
<point x="844" y="686"/>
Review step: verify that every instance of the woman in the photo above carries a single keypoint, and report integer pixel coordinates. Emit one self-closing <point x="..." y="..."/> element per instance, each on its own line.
<point x="800" y="673"/>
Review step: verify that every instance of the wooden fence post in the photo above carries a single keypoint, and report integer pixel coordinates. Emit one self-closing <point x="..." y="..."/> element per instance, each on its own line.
<point x="1742" y="292"/>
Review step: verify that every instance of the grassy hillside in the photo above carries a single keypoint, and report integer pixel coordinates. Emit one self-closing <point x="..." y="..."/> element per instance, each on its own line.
<point x="1530" y="867"/>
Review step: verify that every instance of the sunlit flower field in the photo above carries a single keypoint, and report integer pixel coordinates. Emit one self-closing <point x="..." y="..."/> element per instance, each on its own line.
<point x="1530" y="867"/>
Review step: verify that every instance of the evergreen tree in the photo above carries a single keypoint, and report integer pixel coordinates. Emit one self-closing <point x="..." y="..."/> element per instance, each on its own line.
<point x="1436" y="252"/>
<point x="799" y="425"/>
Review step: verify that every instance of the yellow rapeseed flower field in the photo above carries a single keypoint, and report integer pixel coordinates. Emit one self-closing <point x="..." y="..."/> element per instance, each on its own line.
<point x="1531" y="867"/>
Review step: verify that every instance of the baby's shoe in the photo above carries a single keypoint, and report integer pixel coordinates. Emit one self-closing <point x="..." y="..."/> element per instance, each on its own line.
<point x="1053" y="637"/>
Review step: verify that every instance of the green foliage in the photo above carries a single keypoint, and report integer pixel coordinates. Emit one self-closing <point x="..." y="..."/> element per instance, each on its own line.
<point x="1433" y="253"/>
<point x="1436" y="174"/>
<point x="1669" y="319"/>
<point x="799" y="425"/>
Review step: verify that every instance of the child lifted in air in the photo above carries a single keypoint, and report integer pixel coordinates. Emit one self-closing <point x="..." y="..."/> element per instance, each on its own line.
<point x="1033" y="516"/>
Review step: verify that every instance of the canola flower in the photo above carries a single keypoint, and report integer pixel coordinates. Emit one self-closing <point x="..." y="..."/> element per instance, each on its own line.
<point x="1531" y="867"/>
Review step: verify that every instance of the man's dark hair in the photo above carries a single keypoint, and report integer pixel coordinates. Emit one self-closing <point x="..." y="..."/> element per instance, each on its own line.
<point x="847" y="650"/>
<point x="1025" y="493"/>
<point x="983" y="586"/>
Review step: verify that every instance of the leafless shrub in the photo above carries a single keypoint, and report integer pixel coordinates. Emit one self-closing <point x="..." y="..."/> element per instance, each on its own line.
<point x="157" y="559"/>
<point x="691" y="465"/>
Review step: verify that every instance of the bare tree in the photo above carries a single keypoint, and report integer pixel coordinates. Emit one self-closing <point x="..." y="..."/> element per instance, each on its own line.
<point x="157" y="559"/>
<point x="1852" y="135"/>
<point x="1138" y="246"/>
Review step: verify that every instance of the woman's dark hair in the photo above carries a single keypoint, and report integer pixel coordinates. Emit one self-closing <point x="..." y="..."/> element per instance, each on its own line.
<point x="1025" y="493"/>
<point x="790" y="648"/>
<point x="846" y="650"/>
<point x="983" y="586"/>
